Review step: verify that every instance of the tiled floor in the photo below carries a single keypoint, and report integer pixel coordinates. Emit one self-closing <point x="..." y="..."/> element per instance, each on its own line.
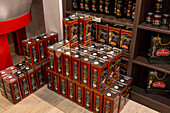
<point x="47" y="101"/>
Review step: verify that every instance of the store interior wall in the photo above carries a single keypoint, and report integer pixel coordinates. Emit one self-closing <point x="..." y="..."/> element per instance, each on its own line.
<point x="53" y="16"/>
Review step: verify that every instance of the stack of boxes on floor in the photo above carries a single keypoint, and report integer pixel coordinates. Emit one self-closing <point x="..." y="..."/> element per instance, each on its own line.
<point x="17" y="82"/>
<point x="86" y="72"/>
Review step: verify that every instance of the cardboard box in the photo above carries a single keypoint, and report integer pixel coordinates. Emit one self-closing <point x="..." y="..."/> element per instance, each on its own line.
<point x="67" y="64"/>
<point x="103" y="34"/>
<point x="111" y="100"/>
<point x="2" y="87"/>
<point x="70" y="31"/>
<point x="76" y="62"/>
<point x="94" y="31"/>
<point x="114" y="36"/>
<point x="49" y="77"/>
<point x="79" y="94"/>
<point x="12" y="89"/>
<point x="30" y="52"/>
<point x="99" y="72"/>
<point x="125" y="41"/>
<point x="98" y="102"/>
<point x="85" y="29"/>
<point x="31" y="78"/>
<point x="71" y="91"/>
<point x="64" y="86"/>
<point x="23" y="83"/>
<point x="88" y="98"/>
<point x="40" y="76"/>
<point x="56" y="82"/>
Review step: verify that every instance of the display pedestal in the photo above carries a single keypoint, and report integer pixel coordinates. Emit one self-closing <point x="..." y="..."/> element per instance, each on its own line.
<point x="17" y="37"/>
<point x="5" y="54"/>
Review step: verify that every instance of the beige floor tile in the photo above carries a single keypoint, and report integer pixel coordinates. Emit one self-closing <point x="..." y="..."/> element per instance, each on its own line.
<point x="80" y="109"/>
<point x="42" y="107"/>
<point x="5" y="103"/>
<point x="145" y="109"/>
<point x="1" y="109"/>
<point x="55" y="110"/>
<point x="131" y="107"/>
<point x="23" y="106"/>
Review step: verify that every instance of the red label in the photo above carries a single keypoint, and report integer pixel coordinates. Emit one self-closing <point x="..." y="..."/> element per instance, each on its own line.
<point x="125" y="46"/>
<point x="163" y="52"/>
<point x="159" y="84"/>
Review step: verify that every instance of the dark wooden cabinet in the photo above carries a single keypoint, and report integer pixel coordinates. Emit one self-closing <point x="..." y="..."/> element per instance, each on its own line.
<point x="138" y="64"/>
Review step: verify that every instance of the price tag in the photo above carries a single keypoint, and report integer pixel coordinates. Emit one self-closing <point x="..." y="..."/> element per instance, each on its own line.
<point x="96" y="19"/>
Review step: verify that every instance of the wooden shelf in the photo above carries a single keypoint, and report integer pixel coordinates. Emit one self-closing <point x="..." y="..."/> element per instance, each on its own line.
<point x="157" y="102"/>
<point x="144" y="62"/>
<point x="162" y="29"/>
<point x="109" y="19"/>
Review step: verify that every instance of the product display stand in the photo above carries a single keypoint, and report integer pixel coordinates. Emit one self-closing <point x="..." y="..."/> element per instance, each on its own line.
<point x="137" y="63"/>
<point x="7" y="27"/>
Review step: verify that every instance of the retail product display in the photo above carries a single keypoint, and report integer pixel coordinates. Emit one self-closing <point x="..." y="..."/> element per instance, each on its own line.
<point x="118" y="8"/>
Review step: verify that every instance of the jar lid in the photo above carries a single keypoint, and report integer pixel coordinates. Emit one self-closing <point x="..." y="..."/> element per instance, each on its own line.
<point x="159" y="0"/>
<point x="157" y="16"/>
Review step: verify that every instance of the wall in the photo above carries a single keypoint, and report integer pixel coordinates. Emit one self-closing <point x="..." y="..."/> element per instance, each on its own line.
<point x="53" y="16"/>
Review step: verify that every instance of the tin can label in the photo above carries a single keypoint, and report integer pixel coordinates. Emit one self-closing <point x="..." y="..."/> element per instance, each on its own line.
<point x="34" y="54"/>
<point x="88" y="95"/>
<point x="81" y="31"/>
<point x="95" y="78"/>
<point x="48" y="43"/>
<point x="33" y="82"/>
<point x="56" y="83"/>
<point x="74" y="32"/>
<point x="63" y="87"/>
<point x="94" y="33"/>
<point x="75" y="70"/>
<point x="79" y="95"/>
<point x="9" y="93"/>
<point x="111" y="71"/>
<point x="94" y="5"/>
<point x="102" y="35"/>
<point x="67" y="69"/>
<point x="16" y="92"/>
<point x="59" y="63"/>
<point x="66" y="36"/>
<point x="103" y="79"/>
<point x="71" y="91"/>
<point x="82" y="4"/>
<point x="27" y="53"/>
<point x="113" y="38"/>
<point x="49" y="80"/>
<point x="125" y="42"/>
<point x="25" y="86"/>
<point x="115" y="106"/>
<point x="85" y="74"/>
<point x="41" y="78"/>
<point x="42" y="51"/>
<point x="107" y="106"/>
<point x="88" y="30"/>
<point x="101" y="2"/>
<point x="87" y="8"/>
<point x="2" y="88"/>
<point x="51" y="58"/>
<point x="97" y="104"/>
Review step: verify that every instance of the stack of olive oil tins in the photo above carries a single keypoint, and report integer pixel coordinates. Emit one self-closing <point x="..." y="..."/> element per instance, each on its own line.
<point x="118" y="8"/>
<point x="86" y="72"/>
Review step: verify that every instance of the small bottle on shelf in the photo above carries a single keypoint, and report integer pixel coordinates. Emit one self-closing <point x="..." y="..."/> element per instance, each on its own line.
<point x="133" y="11"/>
<point x="82" y="5"/>
<point x="101" y="6"/>
<point x="95" y="6"/>
<point x="107" y="8"/>
<point x="87" y="5"/>
<point x="119" y="9"/>
<point x="75" y="4"/>
<point x="129" y="9"/>
<point x="165" y="19"/>
<point x="149" y="18"/>
<point x="157" y="20"/>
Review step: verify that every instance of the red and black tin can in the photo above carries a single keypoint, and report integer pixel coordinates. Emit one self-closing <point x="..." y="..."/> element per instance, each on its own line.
<point x="64" y="86"/>
<point x="71" y="91"/>
<point x="54" y="37"/>
<point x="95" y="31"/>
<point x="40" y="76"/>
<point x="103" y="33"/>
<point x="79" y="94"/>
<point x="11" y="69"/>
<point x="12" y="89"/>
<point x="67" y="64"/>
<point x="88" y="98"/>
<point x="49" y="78"/>
<point x="56" y="82"/>
<point x="98" y="102"/>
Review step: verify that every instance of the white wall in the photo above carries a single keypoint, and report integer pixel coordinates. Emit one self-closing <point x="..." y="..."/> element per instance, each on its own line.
<point x="53" y="14"/>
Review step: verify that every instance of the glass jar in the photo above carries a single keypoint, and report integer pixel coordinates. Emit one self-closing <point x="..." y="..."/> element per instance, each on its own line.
<point x="149" y="17"/>
<point x="158" y="5"/>
<point x="165" y="19"/>
<point x="119" y="9"/>
<point x="157" y="20"/>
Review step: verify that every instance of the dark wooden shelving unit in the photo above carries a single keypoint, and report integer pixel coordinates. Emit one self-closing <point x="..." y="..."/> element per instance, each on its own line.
<point x="137" y="63"/>
<point x="162" y="29"/>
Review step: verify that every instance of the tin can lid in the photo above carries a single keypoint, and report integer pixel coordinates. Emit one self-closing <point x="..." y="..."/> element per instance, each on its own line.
<point x="29" y="42"/>
<point x="76" y="48"/>
<point x="67" y="19"/>
<point x="102" y="49"/>
<point x="76" y="56"/>
<point x="2" y="72"/>
<point x="27" y="68"/>
<point x="116" y="87"/>
<point x="45" y="37"/>
<point x="51" y="47"/>
<point x="37" y="39"/>
<point x="20" y="64"/>
<point x="81" y="17"/>
<point x="58" y="49"/>
<point x="19" y="72"/>
<point x="111" y="52"/>
<point x="157" y="16"/>
<point x="12" y="67"/>
<point x="9" y="76"/>
<point x="85" y="51"/>
<point x="86" y="59"/>
<point x="122" y="80"/>
<point x="92" y="45"/>
<point x="149" y="13"/>
<point x="67" y="52"/>
<point x="105" y="57"/>
<point x="94" y="54"/>
<point x="166" y="15"/>
<point x="109" y="94"/>
<point x="96" y="63"/>
<point x="160" y="0"/>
